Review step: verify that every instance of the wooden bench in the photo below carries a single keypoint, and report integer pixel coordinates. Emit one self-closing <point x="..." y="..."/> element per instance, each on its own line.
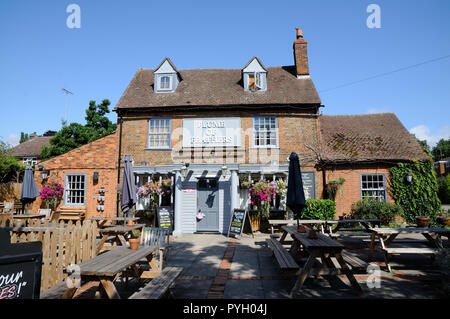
<point x="158" y="287"/>
<point x="157" y="236"/>
<point x="399" y="250"/>
<point x="283" y="257"/>
<point x="54" y="292"/>
<point x="358" y="265"/>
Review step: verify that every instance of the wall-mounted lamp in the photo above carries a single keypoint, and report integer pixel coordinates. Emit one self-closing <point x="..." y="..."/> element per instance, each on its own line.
<point x="224" y="171"/>
<point x="40" y="167"/>
<point x="184" y="170"/>
<point x="409" y="177"/>
<point x="95" y="177"/>
<point x="44" y="174"/>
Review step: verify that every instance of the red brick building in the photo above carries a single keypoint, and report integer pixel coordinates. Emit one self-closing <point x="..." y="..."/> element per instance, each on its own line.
<point x="84" y="172"/>
<point x="205" y="130"/>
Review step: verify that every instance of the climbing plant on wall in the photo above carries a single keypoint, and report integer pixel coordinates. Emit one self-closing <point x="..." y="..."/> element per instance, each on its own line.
<point x="420" y="196"/>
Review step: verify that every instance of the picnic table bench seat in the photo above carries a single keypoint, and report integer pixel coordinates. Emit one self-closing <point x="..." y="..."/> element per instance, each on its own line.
<point x="158" y="287"/>
<point x="54" y="292"/>
<point x="283" y="257"/>
<point x="411" y="250"/>
<point x="358" y="265"/>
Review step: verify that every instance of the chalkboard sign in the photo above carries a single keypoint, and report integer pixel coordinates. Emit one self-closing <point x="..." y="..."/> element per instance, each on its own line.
<point x="20" y="269"/>
<point x="309" y="183"/>
<point x="237" y="222"/>
<point x="164" y="217"/>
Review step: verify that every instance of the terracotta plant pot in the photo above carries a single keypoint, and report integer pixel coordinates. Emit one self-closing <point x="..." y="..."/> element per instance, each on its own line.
<point x="130" y="222"/>
<point x="134" y="243"/>
<point x="422" y="221"/>
<point x="301" y="229"/>
<point x="444" y="220"/>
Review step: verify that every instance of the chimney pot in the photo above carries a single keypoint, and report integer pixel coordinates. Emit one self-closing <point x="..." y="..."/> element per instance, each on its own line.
<point x="299" y="33"/>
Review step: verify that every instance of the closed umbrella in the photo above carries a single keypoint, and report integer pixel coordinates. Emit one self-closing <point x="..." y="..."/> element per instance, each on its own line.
<point x="295" y="195"/>
<point x="29" y="189"/>
<point x="129" y="188"/>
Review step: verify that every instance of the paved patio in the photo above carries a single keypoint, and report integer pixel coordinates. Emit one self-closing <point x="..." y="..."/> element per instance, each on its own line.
<point x="217" y="267"/>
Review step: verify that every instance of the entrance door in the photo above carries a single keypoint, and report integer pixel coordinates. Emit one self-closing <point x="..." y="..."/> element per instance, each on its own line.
<point x="208" y="204"/>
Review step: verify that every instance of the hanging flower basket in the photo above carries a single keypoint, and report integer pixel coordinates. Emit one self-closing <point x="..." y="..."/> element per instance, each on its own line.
<point x="261" y="196"/>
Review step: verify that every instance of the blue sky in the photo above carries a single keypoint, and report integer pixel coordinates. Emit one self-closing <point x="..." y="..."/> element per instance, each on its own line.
<point x="39" y="54"/>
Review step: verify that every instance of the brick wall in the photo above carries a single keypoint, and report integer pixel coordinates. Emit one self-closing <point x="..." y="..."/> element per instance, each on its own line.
<point x="100" y="156"/>
<point x="350" y="191"/>
<point x="297" y="133"/>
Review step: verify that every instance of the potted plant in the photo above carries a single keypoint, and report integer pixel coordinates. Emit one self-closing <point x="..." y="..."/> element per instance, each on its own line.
<point x="422" y="221"/>
<point x="443" y="219"/>
<point x="261" y="197"/>
<point x="135" y="239"/>
<point x="51" y="194"/>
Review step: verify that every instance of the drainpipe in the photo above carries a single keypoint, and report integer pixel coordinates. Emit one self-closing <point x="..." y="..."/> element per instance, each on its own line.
<point x="118" y="164"/>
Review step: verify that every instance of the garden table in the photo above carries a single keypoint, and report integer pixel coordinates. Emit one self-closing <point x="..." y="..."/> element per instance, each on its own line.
<point x="117" y="233"/>
<point x="108" y="267"/>
<point x="323" y="248"/>
<point x="101" y="221"/>
<point x="387" y="236"/>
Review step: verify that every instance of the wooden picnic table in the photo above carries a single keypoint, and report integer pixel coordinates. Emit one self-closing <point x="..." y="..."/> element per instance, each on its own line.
<point x="101" y="221"/>
<point x="340" y="223"/>
<point x="323" y="248"/>
<point x="387" y="236"/>
<point x="28" y="216"/>
<point x="117" y="234"/>
<point x="108" y="267"/>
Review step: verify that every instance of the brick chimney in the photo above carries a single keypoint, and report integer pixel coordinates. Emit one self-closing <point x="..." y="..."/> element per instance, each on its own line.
<point x="301" y="55"/>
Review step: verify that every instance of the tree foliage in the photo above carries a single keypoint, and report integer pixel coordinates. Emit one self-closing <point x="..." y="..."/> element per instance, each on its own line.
<point x="75" y="135"/>
<point x="23" y="137"/>
<point x="441" y="150"/>
<point x="10" y="167"/>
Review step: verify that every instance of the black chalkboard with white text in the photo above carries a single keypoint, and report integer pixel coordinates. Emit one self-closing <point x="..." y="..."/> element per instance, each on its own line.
<point x="237" y="222"/>
<point x="20" y="269"/>
<point x="164" y="217"/>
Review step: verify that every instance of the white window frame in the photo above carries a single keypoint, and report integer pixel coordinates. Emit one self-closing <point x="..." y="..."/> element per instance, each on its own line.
<point x="29" y="161"/>
<point x="373" y="189"/>
<point x="169" y="133"/>
<point x="159" y="82"/>
<point x="276" y="130"/>
<point x="68" y="190"/>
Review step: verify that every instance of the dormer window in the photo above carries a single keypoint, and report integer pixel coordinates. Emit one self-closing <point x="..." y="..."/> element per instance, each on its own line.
<point x="254" y="76"/>
<point x="166" y="77"/>
<point x="164" y="83"/>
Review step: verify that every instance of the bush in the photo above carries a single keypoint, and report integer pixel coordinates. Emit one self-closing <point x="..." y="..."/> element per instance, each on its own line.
<point x="444" y="189"/>
<point x="374" y="209"/>
<point x="323" y="209"/>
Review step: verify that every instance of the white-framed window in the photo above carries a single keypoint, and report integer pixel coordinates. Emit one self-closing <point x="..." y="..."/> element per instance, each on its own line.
<point x="164" y="83"/>
<point x="75" y="189"/>
<point x="373" y="185"/>
<point x="29" y="161"/>
<point x="255" y="81"/>
<point x="265" y="131"/>
<point x="159" y="133"/>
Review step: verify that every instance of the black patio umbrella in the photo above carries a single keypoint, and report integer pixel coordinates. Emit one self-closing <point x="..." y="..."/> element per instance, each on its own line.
<point x="29" y="189"/>
<point x="129" y="187"/>
<point x="295" y="195"/>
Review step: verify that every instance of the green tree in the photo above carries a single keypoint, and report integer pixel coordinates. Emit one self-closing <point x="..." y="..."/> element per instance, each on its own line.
<point x="10" y="167"/>
<point x="23" y="137"/>
<point x="441" y="150"/>
<point x="75" y="135"/>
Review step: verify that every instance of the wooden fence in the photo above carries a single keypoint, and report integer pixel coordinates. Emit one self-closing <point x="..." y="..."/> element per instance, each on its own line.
<point x="63" y="244"/>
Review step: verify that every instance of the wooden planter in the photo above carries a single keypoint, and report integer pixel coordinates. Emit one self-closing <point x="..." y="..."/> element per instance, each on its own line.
<point x="255" y="221"/>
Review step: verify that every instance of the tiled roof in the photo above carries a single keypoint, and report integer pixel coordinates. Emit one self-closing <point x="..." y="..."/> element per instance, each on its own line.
<point x="219" y="87"/>
<point x="366" y="138"/>
<point x="32" y="147"/>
